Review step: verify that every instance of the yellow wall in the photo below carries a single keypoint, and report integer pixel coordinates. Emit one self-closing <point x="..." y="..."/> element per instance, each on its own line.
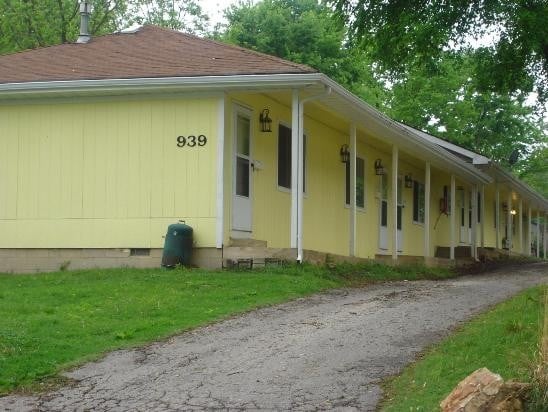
<point x="105" y="174"/>
<point x="326" y="217"/>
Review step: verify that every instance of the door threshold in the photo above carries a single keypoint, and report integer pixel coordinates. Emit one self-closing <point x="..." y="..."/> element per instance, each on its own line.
<point x="241" y="234"/>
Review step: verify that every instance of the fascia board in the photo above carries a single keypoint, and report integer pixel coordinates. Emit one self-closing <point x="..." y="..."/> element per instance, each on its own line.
<point x="476" y="158"/>
<point x="159" y="84"/>
<point x="503" y="176"/>
<point x="409" y="137"/>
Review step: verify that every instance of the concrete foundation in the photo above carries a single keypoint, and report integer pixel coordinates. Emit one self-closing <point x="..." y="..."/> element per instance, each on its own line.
<point x="51" y="260"/>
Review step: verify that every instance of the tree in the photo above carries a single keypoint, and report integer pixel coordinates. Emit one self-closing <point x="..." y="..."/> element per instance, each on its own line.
<point x="184" y="15"/>
<point x="534" y="170"/>
<point x="402" y="32"/>
<point x="27" y="24"/>
<point x="442" y="98"/>
<point x="303" y="31"/>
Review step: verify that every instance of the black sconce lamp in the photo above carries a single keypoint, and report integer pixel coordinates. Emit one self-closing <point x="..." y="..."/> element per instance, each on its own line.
<point x="345" y="154"/>
<point x="408" y="181"/>
<point x="266" y="121"/>
<point x="379" y="168"/>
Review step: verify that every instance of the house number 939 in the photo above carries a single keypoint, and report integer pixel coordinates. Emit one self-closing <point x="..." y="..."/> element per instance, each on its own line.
<point x="191" y="141"/>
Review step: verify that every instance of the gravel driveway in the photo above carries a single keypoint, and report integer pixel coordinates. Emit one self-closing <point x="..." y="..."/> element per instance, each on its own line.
<point x="328" y="351"/>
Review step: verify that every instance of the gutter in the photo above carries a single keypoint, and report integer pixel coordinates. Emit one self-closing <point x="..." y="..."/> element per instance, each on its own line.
<point x="519" y="186"/>
<point x="410" y="136"/>
<point x="151" y="84"/>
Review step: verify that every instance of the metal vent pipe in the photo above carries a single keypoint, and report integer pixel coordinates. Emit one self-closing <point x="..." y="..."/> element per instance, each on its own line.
<point x="85" y="13"/>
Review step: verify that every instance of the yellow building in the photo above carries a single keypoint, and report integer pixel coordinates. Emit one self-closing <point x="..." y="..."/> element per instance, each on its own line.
<point x="106" y="142"/>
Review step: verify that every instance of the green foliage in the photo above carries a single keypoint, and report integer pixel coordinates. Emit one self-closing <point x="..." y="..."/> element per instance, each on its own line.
<point x="185" y="15"/>
<point x="402" y="32"/>
<point x="303" y="31"/>
<point x="504" y="340"/>
<point x="534" y="170"/>
<point x="29" y="24"/>
<point x="442" y="98"/>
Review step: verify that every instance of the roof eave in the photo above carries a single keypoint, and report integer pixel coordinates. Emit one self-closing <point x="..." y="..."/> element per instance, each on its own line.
<point x="519" y="186"/>
<point x="30" y="89"/>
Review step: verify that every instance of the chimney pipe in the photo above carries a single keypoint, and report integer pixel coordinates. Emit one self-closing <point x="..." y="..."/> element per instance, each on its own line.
<point x="85" y="12"/>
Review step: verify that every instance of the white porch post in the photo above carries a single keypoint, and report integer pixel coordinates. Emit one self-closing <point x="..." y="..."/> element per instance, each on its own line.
<point x="294" y="166"/>
<point x="529" y="215"/>
<point x="538" y="233"/>
<point x="394" y="202"/>
<point x="219" y="227"/>
<point x="352" y="189"/>
<point x="545" y="243"/>
<point x="427" y="210"/>
<point x="520" y="226"/>
<point x="474" y="225"/>
<point x="497" y="216"/>
<point x="300" y="183"/>
<point x="482" y="216"/>
<point x="509" y="222"/>
<point x="453" y="215"/>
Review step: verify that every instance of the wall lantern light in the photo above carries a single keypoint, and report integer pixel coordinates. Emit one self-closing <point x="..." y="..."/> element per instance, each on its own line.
<point x="409" y="181"/>
<point x="513" y="212"/>
<point x="345" y="154"/>
<point x="379" y="168"/>
<point x="266" y="121"/>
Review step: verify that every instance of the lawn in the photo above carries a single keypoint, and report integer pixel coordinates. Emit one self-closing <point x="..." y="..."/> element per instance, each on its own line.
<point x="49" y="322"/>
<point x="505" y="340"/>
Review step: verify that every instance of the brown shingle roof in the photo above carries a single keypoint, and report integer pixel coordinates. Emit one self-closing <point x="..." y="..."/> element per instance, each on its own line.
<point x="150" y="52"/>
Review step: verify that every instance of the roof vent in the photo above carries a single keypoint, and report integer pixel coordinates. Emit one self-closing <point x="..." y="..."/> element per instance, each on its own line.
<point x="85" y="12"/>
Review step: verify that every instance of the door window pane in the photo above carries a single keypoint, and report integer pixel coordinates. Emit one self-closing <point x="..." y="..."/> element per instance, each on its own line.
<point x="384" y="213"/>
<point x="242" y="177"/>
<point x="243" y="135"/>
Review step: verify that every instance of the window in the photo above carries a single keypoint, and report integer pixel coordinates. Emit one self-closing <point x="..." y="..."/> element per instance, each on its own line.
<point x="479" y="207"/>
<point x="360" y="182"/>
<point x="418" y="202"/>
<point x="284" y="158"/>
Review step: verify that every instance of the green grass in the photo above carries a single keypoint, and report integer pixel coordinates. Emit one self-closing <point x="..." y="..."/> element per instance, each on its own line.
<point x="505" y="340"/>
<point x="52" y="321"/>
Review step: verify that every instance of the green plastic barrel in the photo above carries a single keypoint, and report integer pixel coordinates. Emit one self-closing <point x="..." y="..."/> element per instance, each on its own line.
<point x="178" y="245"/>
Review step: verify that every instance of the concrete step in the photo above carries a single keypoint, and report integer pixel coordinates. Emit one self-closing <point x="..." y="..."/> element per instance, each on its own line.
<point x="235" y="242"/>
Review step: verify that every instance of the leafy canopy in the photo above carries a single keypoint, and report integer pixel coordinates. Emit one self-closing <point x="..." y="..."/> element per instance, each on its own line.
<point x="27" y="24"/>
<point x="400" y="32"/>
<point x="303" y="31"/>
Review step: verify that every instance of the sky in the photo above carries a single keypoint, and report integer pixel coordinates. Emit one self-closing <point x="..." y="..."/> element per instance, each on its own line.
<point x="214" y="9"/>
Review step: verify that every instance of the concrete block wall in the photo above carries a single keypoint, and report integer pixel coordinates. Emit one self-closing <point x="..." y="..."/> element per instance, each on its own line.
<point x="51" y="260"/>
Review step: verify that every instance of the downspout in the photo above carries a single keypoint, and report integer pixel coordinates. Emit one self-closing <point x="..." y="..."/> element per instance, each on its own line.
<point x="300" y="168"/>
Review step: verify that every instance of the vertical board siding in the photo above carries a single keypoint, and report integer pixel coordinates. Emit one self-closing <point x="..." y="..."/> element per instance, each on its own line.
<point x="105" y="174"/>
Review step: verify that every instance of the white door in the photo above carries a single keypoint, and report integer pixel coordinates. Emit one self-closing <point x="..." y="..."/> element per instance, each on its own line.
<point x="400" y="211"/>
<point x="383" y="221"/>
<point x="241" y="204"/>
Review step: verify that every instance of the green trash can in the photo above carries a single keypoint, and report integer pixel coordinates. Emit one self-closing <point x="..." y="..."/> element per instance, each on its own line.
<point x="178" y="245"/>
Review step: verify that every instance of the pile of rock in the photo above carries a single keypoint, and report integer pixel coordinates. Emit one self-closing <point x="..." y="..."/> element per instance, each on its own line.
<point x="484" y="391"/>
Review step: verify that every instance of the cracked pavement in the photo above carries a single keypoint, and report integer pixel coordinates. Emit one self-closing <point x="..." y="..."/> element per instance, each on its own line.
<point x="325" y="352"/>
